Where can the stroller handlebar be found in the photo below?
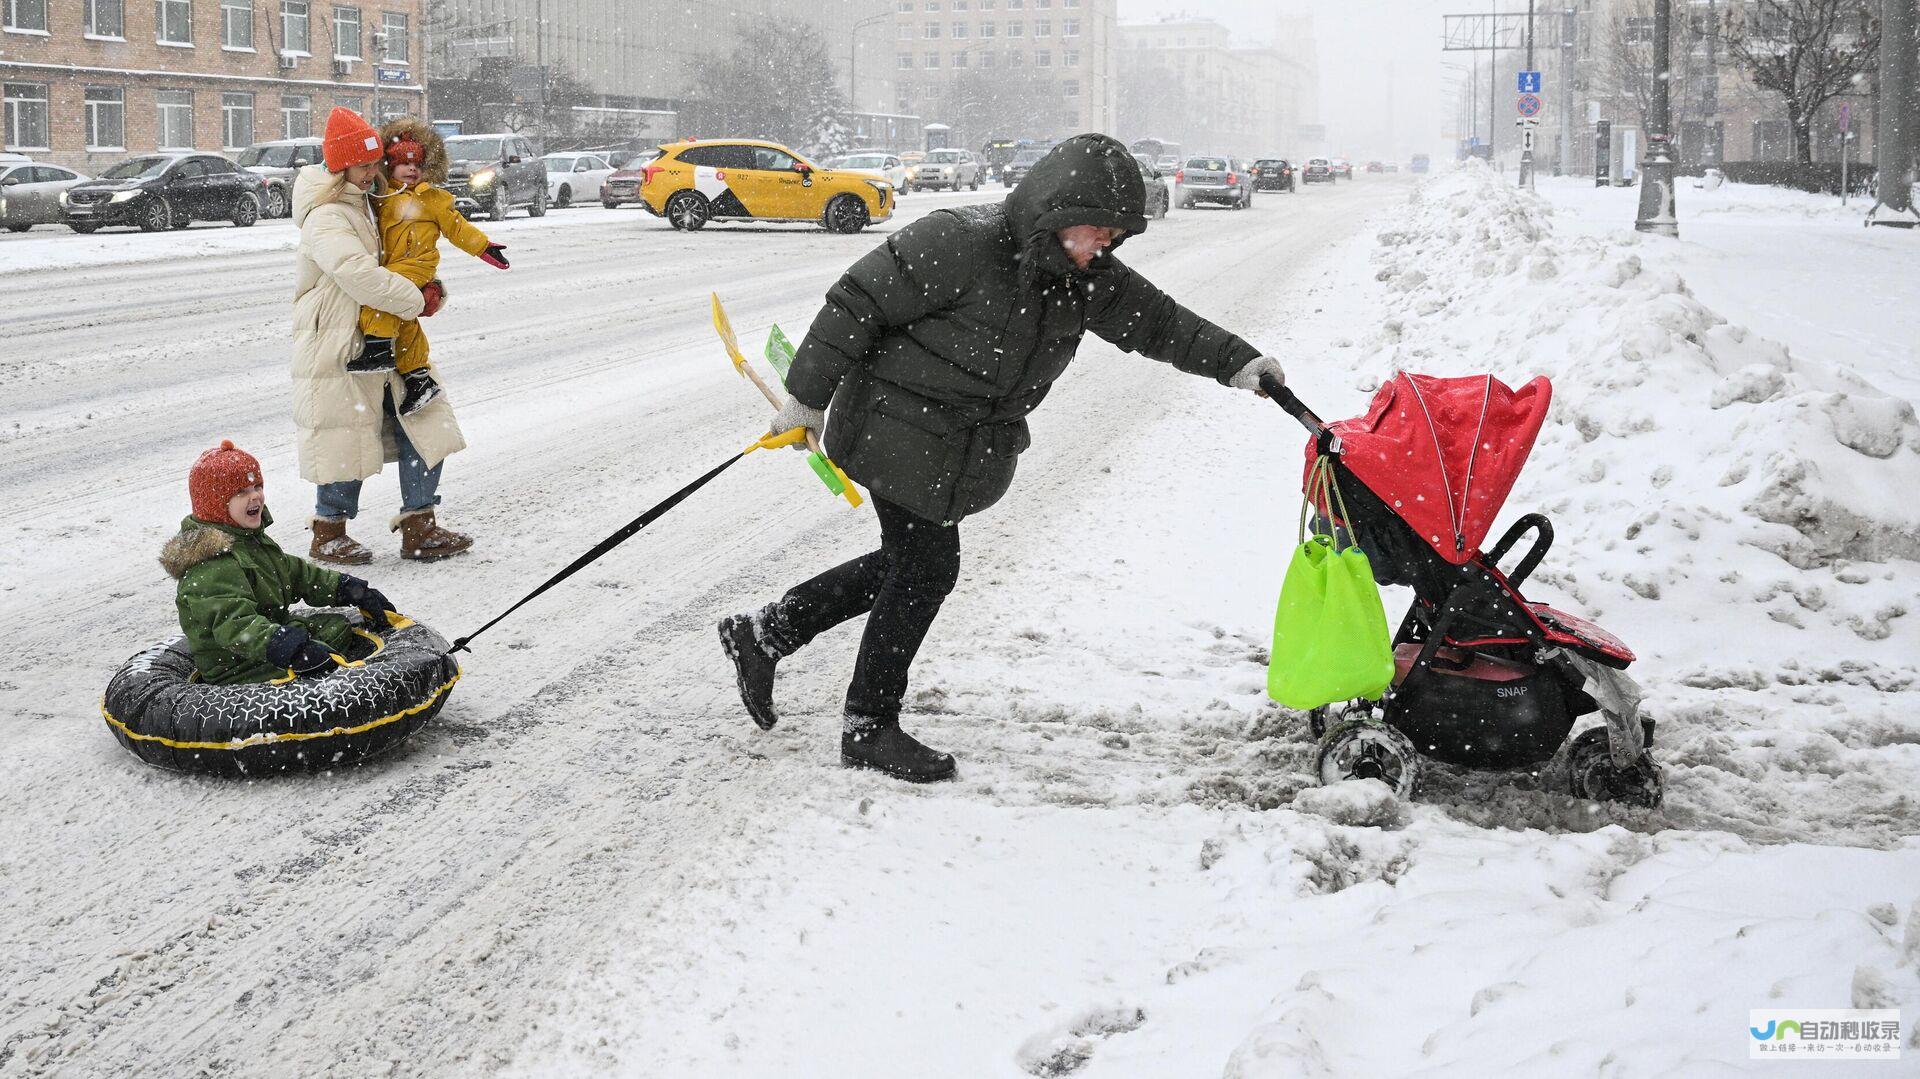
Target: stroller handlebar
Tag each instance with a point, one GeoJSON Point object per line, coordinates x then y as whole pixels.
{"type": "Point", "coordinates": [1285, 398]}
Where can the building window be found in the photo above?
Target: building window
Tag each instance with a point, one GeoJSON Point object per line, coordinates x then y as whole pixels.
{"type": "Point", "coordinates": [106, 118]}
{"type": "Point", "coordinates": [173, 21]}
{"type": "Point", "coordinates": [236, 24]}
{"type": "Point", "coordinates": [27, 15]}
{"type": "Point", "coordinates": [1015, 58]}
{"type": "Point", "coordinates": [906, 30]}
{"type": "Point", "coordinates": [351, 104]}
{"type": "Point", "coordinates": [931, 30]}
{"type": "Point", "coordinates": [26, 115]}
{"type": "Point", "coordinates": [106, 18]}
{"type": "Point", "coordinates": [986, 5]}
{"type": "Point", "coordinates": [1043, 58]}
{"type": "Point", "coordinates": [236, 120]}
{"type": "Point", "coordinates": [957, 5]}
{"type": "Point", "coordinates": [904, 7]}
{"type": "Point", "coordinates": [294, 37]}
{"type": "Point", "coordinates": [173, 129]}
{"type": "Point", "coordinates": [988, 29]}
{"type": "Point", "coordinates": [959, 59]}
{"type": "Point", "coordinates": [1015, 29]}
{"type": "Point", "coordinates": [296, 116]}
{"type": "Point", "coordinates": [395, 50]}
{"type": "Point", "coordinates": [904, 61]}
{"type": "Point", "coordinates": [1070, 3]}
{"type": "Point", "coordinates": [1042, 3]}
{"type": "Point", "coordinates": [389, 108]}
{"type": "Point", "coordinates": [1043, 28]}
{"type": "Point", "coordinates": [1014, 5]}
{"type": "Point", "coordinates": [1070, 87]}
{"type": "Point", "coordinates": [346, 33]}
{"type": "Point", "coordinates": [933, 59]}
{"type": "Point", "coordinates": [933, 5]}
{"type": "Point", "coordinates": [1070, 27]}
{"type": "Point", "coordinates": [986, 59]}
{"type": "Point", "coordinates": [1070, 58]}
{"type": "Point", "coordinates": [959, 29]}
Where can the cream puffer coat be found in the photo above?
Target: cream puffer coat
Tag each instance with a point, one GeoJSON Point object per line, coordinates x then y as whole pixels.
{"type": "Point", "coordinates": [339, 414]}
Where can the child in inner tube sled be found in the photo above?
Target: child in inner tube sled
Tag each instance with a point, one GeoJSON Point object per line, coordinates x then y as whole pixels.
{"type": "Point", "coordinates": [236, 584]}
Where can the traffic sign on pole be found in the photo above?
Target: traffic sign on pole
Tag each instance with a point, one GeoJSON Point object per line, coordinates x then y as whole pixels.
{"type": "Point", "coordinates": [1529, 104]}
{"type": "Point", "coordinates": [1529, 82]}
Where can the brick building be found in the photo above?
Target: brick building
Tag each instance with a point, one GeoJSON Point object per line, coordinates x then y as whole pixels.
{"type": "Point", "coordinates": [1184, 79]}
{"type": "Point", "coordinates": [85, 83]}
{"type": "Point", "coordinates": [1007, 68]}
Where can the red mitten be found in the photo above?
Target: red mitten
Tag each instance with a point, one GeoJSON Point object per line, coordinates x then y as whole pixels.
{"type": "Point", "coordinates": [495, 256]}
{"type": "Point", "coordinates": [435, 294]}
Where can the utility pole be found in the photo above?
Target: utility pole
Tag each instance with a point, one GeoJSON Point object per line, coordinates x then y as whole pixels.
{"type": "Point", "coordinates": [1526, 133]}
{"type": "Point", "coordinates": [1894, 117]}
{"type": "Point", "coordinates": [1493, 81]}
{"type": "Point", "coordinates": [1568, 36]}
{"type": "Point", "coordinates": [1656, 184]}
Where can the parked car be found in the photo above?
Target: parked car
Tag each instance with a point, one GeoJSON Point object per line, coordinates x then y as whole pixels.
{"type": "Point", "coordinates": [951, 169]}
{"type": "Point", "coordinates": [494, 174]}
{"type": "Point", "coordinates": [1342, 168]}
{"type": "Point", "coordinates": [1420, 163]}
{"type": "Point", "coordinates": [1273, 174]}
{"type": "Point", "coordinates": [1220, 180]}
{"type": "Point", "coordinates": [30, 193]}
{"type": "Point", "coordinates": [623, 186]}
{"type": "Point", "coordinates": [887, 166]}
{"type": "Point", "coordinates": [692, 183]}
{"type": "Point", "coordinates": [575, 176]}
{"type": "Point", "coordinates": [165, 191]}
{"type": "Point", "coordinates": [276, 162]}
{"type": "Point", "coordinates": [1159, 199]}
{"type": "Point", "coordinates": [1022, 163]}
{"type": "Point", "coordinates": [1319, 170]}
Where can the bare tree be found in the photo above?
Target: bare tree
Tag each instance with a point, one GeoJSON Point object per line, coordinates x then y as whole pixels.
{"type": "Point", "coordinates": [1000, 103]}
{"type": "Point", "coordinates": [1808, 52]}
{"type": "Point", "coordinates": [1152, 100]}
{"type": "Point", "coordinates": [1626, 71]}
{"type": "Point", "coordinates": [778, 83]}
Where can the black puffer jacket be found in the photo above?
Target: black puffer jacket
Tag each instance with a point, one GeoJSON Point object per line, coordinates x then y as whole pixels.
{"type": "Point", "coordinates": [935, 346]}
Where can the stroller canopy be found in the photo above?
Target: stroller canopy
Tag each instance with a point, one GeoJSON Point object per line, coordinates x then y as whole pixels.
{"type": "Point", "coordinates": [1443, 453]}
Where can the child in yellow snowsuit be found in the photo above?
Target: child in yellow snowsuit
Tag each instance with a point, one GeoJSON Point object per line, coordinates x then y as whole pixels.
{"type": "Point", "coordinates": [413, 216]}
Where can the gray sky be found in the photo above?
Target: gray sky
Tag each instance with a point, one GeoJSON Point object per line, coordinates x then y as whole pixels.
{"type": "Point", "coordinates": [1365, 46]}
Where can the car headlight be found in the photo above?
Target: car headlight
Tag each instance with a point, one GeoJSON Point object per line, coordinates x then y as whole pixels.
{"type": "Point", "coordinates": [3, 207]}
{"type": "Point", "coordinates": [123, 196]}
{"type": "Point", "coordinates": [483, 179]}
{"type": "Point", "coordinates": [881, 186]}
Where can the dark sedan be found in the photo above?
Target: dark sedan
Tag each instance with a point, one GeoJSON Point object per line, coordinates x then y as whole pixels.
{"type": "Point", "coordinates": [1273, 174]}
{"type": "Point", "coordinates": [154, 192]}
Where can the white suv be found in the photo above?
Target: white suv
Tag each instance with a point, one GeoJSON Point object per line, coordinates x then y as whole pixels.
{"type": "Point", "coordinates": [951, 169]}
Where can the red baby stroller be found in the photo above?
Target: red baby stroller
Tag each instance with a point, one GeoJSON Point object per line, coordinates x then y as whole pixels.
{"type": "Point", "coordinates": [1484, 678]}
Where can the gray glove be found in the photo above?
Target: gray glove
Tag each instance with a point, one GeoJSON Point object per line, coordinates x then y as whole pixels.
{"type": "Point", "coordinates": [1248, 377]}
{"type": "Point", "coordinates": [796, 413]}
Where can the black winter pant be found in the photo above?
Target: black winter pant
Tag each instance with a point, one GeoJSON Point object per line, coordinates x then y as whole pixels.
{"type": "Point", "coordinates": [902, 584]}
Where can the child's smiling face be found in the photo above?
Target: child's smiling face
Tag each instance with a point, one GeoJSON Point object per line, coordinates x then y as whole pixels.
{"type": "Point", "coordinates": [247, 506]}
{"type": "Point", "coordinates": [406, 174]}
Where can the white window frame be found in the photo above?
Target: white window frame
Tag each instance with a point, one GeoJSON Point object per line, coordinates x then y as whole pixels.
{"type": "Point", "coordinates": [161, 108]}
{"type": "Point", "coordinates": [1043, 28]}
{"type": "Point", "coordinates": [160, 23]}
{"type": "Point", "coordinates": [14, 24]}
{"type": "Point", "coordinates": [232, 104]}
{"type": "Point", "coordinates": [1070, 27]}
{"type": "Point", "coordinates": [960, 59]}
{"type": "Point", "coordinates": [397, 27]}
{"type": "Point", "coordinates": [287, 20]}
{"type": "Point", "coordinates": [90, 28]}
{"type": "Point", "coordinates": [16, 116]}
{"type": "Point", "coordinates": [340, 10]}
{"type": "Point", "coordinates": [288, 112]}
{"type": "Point", "coordinates": [903, 62]}
{"type": "Point", "coordinates": [95, 108]}
{"type": "Point", "coordinates": [231, 14]}
{"type": "Point", "coordinates": [932, 61]}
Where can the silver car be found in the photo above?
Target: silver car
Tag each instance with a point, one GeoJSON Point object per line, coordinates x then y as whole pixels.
{"type": "Point", "coordinates": [1221, 180]}
{"type": "Point", "coordinates": [951, 169]}
{"type": "Point", "coordinates": [30, 193]}
{"type": "Point", "coordinates": [276, 162]}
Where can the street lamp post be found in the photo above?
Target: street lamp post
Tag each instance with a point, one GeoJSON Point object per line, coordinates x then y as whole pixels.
{"type": "Point", "coordinates": [1656, 184]}
{"type": "Point", "coordinates": [853, 56]}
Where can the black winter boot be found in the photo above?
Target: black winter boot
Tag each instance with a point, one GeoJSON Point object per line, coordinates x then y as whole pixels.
{"type": "Point", "coordinates": [421, 388]}
{"type": "Point", "coordinates": [376, 354]}
{"type": "Point", "coordinates": [752, 667]}
{"type": "Point", "coordinates": [882, 746]}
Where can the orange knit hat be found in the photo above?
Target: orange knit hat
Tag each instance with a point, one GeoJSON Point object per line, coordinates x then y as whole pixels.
{"type": "Point", "coordinates": [350, 140]}
{"type": "Point", "coordinates": [217, 476]}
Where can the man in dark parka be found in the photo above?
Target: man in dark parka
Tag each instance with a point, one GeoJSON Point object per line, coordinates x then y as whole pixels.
{"type": "Point", "coordinates": [930, 353]}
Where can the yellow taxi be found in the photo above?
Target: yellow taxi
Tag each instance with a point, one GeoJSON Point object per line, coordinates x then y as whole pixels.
{"type": "Point", "coordinates": [702, 180]}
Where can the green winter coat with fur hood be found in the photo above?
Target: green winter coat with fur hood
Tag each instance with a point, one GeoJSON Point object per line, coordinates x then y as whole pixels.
{"type": "Point", "coordinates": [236, 586]}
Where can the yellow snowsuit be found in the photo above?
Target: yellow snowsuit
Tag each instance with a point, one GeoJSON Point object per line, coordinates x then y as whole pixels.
{"type": "Point", "coordinates": [412, 220]}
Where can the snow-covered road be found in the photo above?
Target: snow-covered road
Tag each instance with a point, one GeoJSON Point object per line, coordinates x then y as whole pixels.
{"type": "Point", "coordinates": [519, 879]}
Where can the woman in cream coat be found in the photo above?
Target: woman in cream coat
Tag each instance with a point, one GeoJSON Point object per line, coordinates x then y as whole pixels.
{"type": "Point", "coordinates": [347, 422]}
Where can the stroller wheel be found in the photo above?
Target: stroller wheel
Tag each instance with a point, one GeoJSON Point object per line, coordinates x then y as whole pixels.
{"type": "Point", "coordinates": [1317, 721]}
{"type": "Point", "coordinates": [1592, 774]}
{"type": "Point", "coordinates": [1363, 749]}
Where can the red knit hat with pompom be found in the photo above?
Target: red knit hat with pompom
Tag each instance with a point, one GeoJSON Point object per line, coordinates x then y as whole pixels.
{"type": "Point", "coordinates": [405, 151]}
{"type": "Point", "coordinates": [217, 476]}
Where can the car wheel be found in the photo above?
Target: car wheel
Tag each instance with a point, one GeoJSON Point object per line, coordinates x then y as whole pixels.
{"type": "Point", "coordinates": [610, 204]}
{"type": "Point", "coordinates": [498, 211]}
{"type": "Point", "coordinates": [1186, 204]}
{"type": "Point", "coordinates": [975, 185]}
{"type": "Point", "coordinates": [846, 214]}
{"type": "Point", "coordinates": [538, 207]}
{"type": "Point", "coordinates": [566, 198]}
{"type": "Point", "coordinates": [688, 211]}
{"type": "Point", "coordinates": [277, 202]}
{"type": "Point", "coordinates": [18, 228]}
{"type": "Point", "coordinates": [84, 228]}
{"type": "Point", "coordinates": [156, 215]}
{"type": "Point", "coordinates": [245, 212]}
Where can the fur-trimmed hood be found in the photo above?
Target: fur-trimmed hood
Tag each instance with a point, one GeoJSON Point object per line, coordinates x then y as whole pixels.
{"type": "Point", "coordinates": [197, 542]}
{"type": "Point", "coordinates": [434, 169]}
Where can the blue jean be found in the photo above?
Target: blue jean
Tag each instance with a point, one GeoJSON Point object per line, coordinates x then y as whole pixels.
{"type": "Point", "coordinates": [419, 485]}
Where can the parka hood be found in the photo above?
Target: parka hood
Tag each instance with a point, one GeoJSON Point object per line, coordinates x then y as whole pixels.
{"type": "Point", "coordinates": [434, 169]}
{"type": "Point", "coordinates": [314, 186]}
{"type": "Point", "coordinates": [1087, 180]}
{"type": "Point", "coordinates": [202, 541]}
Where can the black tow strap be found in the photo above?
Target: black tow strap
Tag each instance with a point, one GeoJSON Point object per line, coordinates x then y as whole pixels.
{"type": "Point", "coordinates": [626, 532]}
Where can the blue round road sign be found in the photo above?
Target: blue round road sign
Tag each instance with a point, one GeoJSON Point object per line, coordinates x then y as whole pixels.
{"type": "Point", "coordinates": [1529, 104]}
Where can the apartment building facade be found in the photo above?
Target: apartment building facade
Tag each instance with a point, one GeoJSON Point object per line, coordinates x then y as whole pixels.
{"type": "Point", "coordinates": [991, 69]}
{"type": "Point", "coordinates": [84, 83]}
{"type": "Point", "coordinates": [1189, 83]}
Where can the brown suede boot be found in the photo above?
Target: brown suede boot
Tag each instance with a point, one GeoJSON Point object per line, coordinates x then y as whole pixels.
{"type": "Point", "coordinates": [331, 544]}
{"type": "Point", "coordinates": [423, 540]}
